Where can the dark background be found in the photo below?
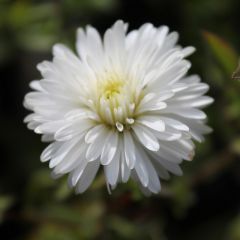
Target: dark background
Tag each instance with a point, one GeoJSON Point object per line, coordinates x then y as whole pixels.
{"type": "Point", "coordinates": [203, 204]}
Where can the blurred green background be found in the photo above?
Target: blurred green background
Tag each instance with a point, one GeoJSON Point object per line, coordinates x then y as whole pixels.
{"type": "Point", "coordinates": [203, 204]}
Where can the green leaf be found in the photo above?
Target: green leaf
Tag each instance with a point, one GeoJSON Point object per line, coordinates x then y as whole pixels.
{"type": "Point", "coordinates": [223, 52]}
{"type": "Point", "coordinates": [234, 229]}
{"type": "Point", "coordinates": [235, 146]}
{"type": "Point", "coordinates": [54, 232]}
{"type": "Point", "coordinates": [5, 203]}
{"type": "Point", "coordinates": [125, 228]}
{"type": "Point", "coordinates": [183, 197]}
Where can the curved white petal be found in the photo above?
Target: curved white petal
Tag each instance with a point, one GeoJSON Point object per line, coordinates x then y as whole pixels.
{"type": "Point", "coordinates": [152, 122]}
{"type": "Point", "coordinates": [129, 150]}
{"type": "Point", "coordinates": [109, 148]}
{"type": "Point", "coordinates": [112, 169]}
{"type": "Point", "coordinates": [146, 138]}
{"type": "Point", "coordinates": [87, 177]}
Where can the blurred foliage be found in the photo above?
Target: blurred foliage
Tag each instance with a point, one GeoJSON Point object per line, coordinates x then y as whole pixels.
{"type": "Point", "coordinates": [234, 233]}
{"type": "Point", "coordinates": [223, 52]}
{"type": "Point", "coordinates": [5, 203]}
{"type": "Point", "coordinates": [203, 204]}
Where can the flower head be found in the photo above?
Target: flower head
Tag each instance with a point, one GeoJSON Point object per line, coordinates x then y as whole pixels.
{"type": "Point", "coordinates": [123, 102]}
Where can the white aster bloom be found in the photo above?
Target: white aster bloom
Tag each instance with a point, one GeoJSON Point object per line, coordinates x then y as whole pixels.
{"type": "Point", "coordinates": [123, 103]}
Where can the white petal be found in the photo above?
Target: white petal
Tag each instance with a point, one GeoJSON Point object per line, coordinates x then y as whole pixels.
{"type": "Point", "coordinates": [154, 183]}
{"type": "Point", "coordinates": [174, 152]}
{"type": "Point", "coordinates": [141, 170]}
{"type": "Point", "coordinates": [94, 132]}
{"type": "Point", "coordinates": [175, 124]}
{"type": "Point", "coordinates": [188, 51]}
{"type": "Point", "coordinates": [154, 106]}
{"type": "Point", "coordinates": [76, 174]}
{"type": "Point", "coordinates": [172, 167]}
{"type": "Point", "coordinates": [72, 129]}
{"type": "Point", "coordinates": [73, 158]}
{"type": "Point", "coordinates": [171, 39]}
{"type": "Point", "coordinates": [110, 148]}
{"type": "Point", "coordinates": [125, 170]}
{"type": "Point", "coordinates": [89, 44]}
{"type": "Point", "coordinates": [49, 151]}
{"type": "Point", "coordinates": [35, 85]}
{"type": "Point", "coordinates": [162, 172]}
{"type": "Point", "coordinates": [48, 127]}
{"type": "Point", "coordinates": [129, 149]}
{"type": "Point", "coordinates": [199, 102]}
{"type": "Point", "coordinates": [87, 177]}
{"type": "Point", "coordinates": [146, 138]}
{"type": "Point", "coordinates": [62, 151]}
{"type": "Point", "coordinates": [170, 75]}
{"type": "Point", "coordinates": [95, 148]}
{"type": "Point", "coordinates": [112, 169]}
{"type": "Point", "coordinates": [168, 135]}
{"type": "Point", "coordinates": [153, 122]}
{"type": "Point", "coordinates": [47, 138]}
{"type": "Point", "coordinates": [186, 112]}
{"type": "Point", "coordinates": [163, 153]}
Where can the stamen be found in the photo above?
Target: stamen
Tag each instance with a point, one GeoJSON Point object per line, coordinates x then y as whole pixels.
{"type": "Point", "coordinates": [115, 101]}
{"type": "Point", "coordinates": [119, 126]}
{"type": "Point", "coordinates": [129, 120]}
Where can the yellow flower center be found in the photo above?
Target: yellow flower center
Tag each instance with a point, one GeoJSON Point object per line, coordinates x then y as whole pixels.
{"type": "Point", "coordinates": [111, 87]}
{"type": "Point", "coordinates": [114, 100]}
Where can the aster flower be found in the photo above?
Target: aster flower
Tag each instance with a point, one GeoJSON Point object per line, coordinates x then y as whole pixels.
{"type": "Point", "coordinates": [123, 103]}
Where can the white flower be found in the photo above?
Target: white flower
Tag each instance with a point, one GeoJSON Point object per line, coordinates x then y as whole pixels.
{"type": "Point", "coordinates": [124, 103]}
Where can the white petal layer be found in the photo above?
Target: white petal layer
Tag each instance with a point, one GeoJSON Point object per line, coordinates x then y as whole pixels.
{"type": "Point", "coordinates": [124, 102]}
